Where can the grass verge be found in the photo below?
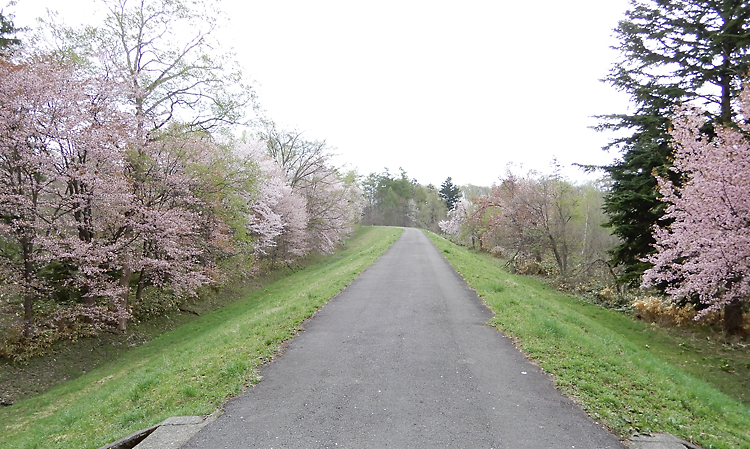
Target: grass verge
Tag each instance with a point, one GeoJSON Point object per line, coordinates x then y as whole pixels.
{"type": "Point", "coordinates": [621, 371]}
{"type": "Point", "coordinates": [192, 369]}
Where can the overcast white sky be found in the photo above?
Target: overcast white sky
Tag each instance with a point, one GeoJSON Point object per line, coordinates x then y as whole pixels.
{"type": "Point", "coordinates": [440, 88]}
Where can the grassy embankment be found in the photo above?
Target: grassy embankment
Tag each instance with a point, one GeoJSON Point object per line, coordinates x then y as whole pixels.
{"type": "Point", "coordinates": [629, 375]}
{"type": "Point", "coordinates": [192, 369]}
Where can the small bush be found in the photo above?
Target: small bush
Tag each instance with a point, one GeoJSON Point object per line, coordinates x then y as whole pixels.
{"type": "Point", "coordinates": [529, 266]}
{"type": "Point", "coordinates": [497, 252]}
{"type": "Point", "coordinates": [662, 311]}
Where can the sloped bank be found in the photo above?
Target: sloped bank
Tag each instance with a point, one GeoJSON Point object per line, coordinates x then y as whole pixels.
{"type": "Point", "coordinates": [598, 358]}
{"type": "Point", "coordinates": [189, 371]}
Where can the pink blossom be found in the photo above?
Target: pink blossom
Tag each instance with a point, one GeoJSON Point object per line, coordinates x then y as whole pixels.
{"type": "Point", "coordinates": [705, 251]}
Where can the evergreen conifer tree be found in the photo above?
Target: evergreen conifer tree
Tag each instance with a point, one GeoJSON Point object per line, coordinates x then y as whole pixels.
{"type": "Point", "coordinates": [449, 193]}
{"type": "Point", "coordinates": [7, 31]}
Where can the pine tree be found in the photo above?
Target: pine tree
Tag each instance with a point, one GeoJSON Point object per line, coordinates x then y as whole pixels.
{"type": "Point", "coordinates": [449, 193]}
{"type": "Point", "coordinates": [673, 52]}
{"type": "Point", "coordinates": [7, 29]}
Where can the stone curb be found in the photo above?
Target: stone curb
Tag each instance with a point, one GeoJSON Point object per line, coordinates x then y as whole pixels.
{"type": "Point", "coordinates": [172, 432]}
{"type": "Point", "coordinates": [130, 441]}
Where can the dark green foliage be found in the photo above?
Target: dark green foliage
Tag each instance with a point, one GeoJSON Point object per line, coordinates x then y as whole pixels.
{"type": "Point", "coordinates": [673, 52]}
{"type": "Point", "coordinates": [633, 206]}
{"type": "Point", "coordinates": [7, 30]}
{"type": "Point", "coordinates": [449, 193]}
{"type": "Point", "coordinates": [400, 201]}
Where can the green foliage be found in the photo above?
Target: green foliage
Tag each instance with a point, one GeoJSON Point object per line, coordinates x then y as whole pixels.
{"type": "Point", "coordinates": [629, 375]}
{"type": "Point", "coordinates": [398, 201]}
{"type": "Point", "coordinates": [7, 29]}
{"type": "Point", "coordinates": [449, 193]}
{"type": "Point", "coordinates": [7, 32]}
{"type": "Point", "coordinates": [633, 205]}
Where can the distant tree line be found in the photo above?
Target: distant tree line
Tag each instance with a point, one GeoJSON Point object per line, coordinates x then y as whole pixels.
{"type": "Point", "coordinates": [396, 200]}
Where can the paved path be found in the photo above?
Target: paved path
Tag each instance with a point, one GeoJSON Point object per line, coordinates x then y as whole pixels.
{"type": "Point", "coordinates": [402, 358]}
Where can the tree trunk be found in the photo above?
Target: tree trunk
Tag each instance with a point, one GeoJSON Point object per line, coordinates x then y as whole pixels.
{"type": "Point", "coordinates": [559, 259]}
{"type": "Point", "coordinates": [141, 285]}
{"type": "Point", "coordinates": [28, 313]}
{"type": "Point", "coordinates": [725, 82]}
{"type": "Point", "coordinates": [733, 320]}
{"type": "Point", "coordinates": [122, 321]}
{"type": "Point", "coordinates": [28, 294]}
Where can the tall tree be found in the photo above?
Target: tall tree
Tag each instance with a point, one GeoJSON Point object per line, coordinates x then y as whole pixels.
{"type": "Point", "coordinates": [165, 48]}
{"type": "Point", "coordinates": [7, 32]}
{"type": "Point", "coordinates": [705, 251]}
{"type": "Point", "coordinates": [673, 52]}
{"type": "Point", "coordinates": [331, 201]}
{"type": "Point", "coordinates": [449, 193]}
{"type": "Point", "coordinates": [61, 140]}
{"type": "Point", "coordinates": [278, 216]}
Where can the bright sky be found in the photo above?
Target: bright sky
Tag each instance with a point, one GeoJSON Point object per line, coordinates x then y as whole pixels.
{"type": "Point", "coordinates": [439, 88]}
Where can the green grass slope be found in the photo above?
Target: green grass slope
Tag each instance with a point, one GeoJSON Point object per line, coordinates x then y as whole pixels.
{"type": "Point", "coordinates": [616, 368]}
{"type": "Point", "coordinates": [191, 370]}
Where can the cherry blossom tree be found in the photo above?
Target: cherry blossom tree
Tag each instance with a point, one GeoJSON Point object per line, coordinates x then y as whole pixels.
{"type": "Point", "coordinates": [61, 137]}
{"type": "Point", "coordinates": [705, 251]}
{"type": "Point", "coordinates": [180, 221]}
{"type": "Point", "coordinates": [304, 206]}
{"type": "Point", "coordinates": [167, 50]}
{"type": "Point", "coordinates": [457, 216]}
{"type": "Point", "coordinates": [90, 211]}
{"type": "Point", "coordinates": [277, 217]}
{"type": "Point", "coordinates": [526, 215]}
{"type": "Point", "coordinates": [204, 212]}
{"type": "Point", "coordinates": [333, 205]}
{"type": "Point", "coordinates": [24, 180]}
{"type": "Point", "coordinates": [484, 220]}
{"type": "Point", "coordinates": [332, 202]}
{"type": "Point", "coordinates": [294, 241]}
{"type": "Point", "coordinates": [531, 218]}
{"type": "Point", "coordinates": [540, 210]}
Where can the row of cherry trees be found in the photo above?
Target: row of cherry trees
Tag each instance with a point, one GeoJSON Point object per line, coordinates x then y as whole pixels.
{"type": "Point", "coordinates": [117, 178]}
{"type": "Point", "coordinates": [93, 213]}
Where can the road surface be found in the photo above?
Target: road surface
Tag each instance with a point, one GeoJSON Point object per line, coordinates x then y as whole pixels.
{"type": "Point", "coordinates": [402, 358]}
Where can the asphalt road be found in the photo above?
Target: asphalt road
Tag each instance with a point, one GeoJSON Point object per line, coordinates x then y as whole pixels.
{"type": "Point", "coordinates": [402, 358]}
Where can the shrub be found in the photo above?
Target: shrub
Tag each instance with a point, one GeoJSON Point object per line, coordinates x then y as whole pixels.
{"type": "Point", "coordinates": [663, 311]}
